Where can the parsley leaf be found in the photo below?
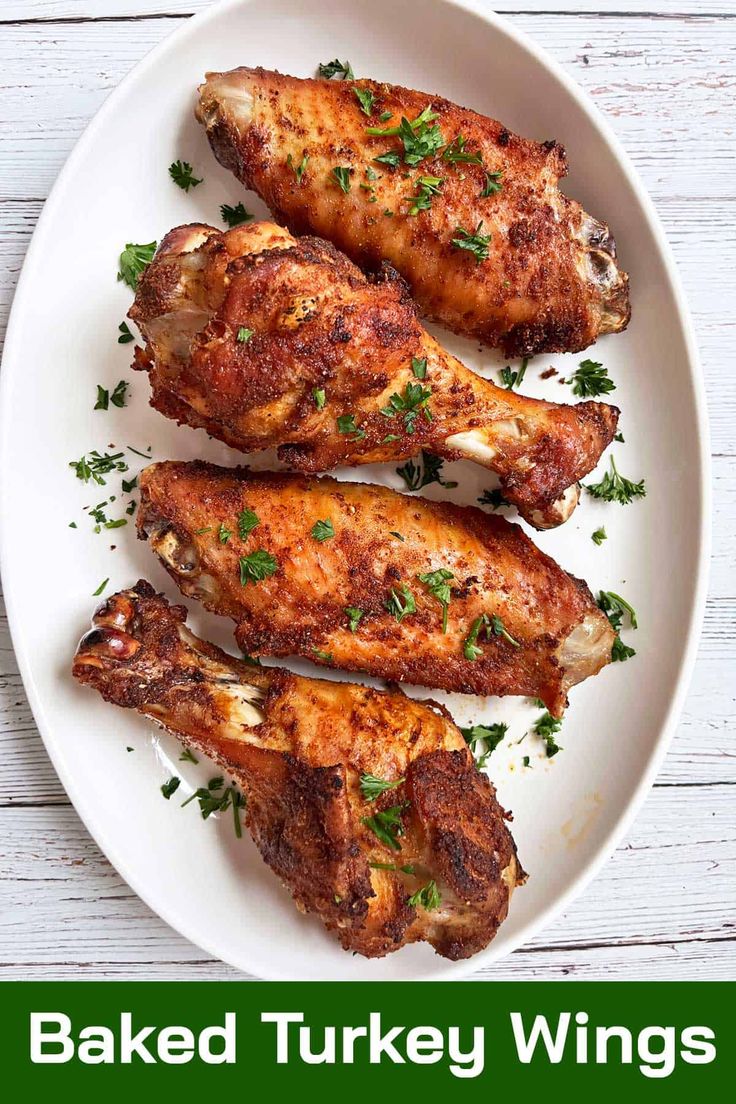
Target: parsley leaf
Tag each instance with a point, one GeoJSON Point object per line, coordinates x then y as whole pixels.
{"type": "Point", "coordinates": [372, 787]}
{"type": "Point", "coordinates": [419, 367]}
{"type": "Point", "coordinates": [428, 897]}
{"type": "Point", "coordinates": [119, 394]}
{"type": "Point", "coordinates": [483, 740]}
{"type": "Point", "coordinates": [247, 521]}
{"type": "Point", "coordinates": [413, 400]}
{"type": "Point", "coordinates": [101, 587]}
{"type": "Point", "coordinates": [125, 335]}
{"type": "Point", "coordinates": [187, 756]}
{"type": "Point", "coordinates": [257, 566]}
{"type": "Point", "coordinates": [470, 649]}
{"type": "Point", "coordinates": [475, 242]}
{"type": "Point", "coordinates": [341, 176]}
{"type": "Point", "coordinates": [511, 379]}
{"type": "Point", "coordinates": [244, 335]}
{"type": "Point", "coordinates": [599, 536]}
{"type": "Point", "coordinates": [182, 174]}
{"type": "Point", "coordinates": [492, 184]}
{"type": "Point", "coordinates": [133, 260]}
{"type": "Point", "coordinates": [429, 187]}
{"type": "Point", "coordinates": [438, 586]}
{"type": "Point", "coordinates": [546, 728]}
{"type": "Point", "coordinates": [354, 616]}
{"type": "Point", "coordinates": [417, 476]}
{"type": "Point", "coordinates": [346, 424]}
{"type": "Point", "coordinates": [300, 169]}
{"type": "Point", "coordinates": [615, 608]}
{"type": "Point", "coordinates": [323, 530]}
{"type": "Point", "coordinates": [320, 398]}
{"type": "Point", "coordinates": [456, 152]}
{"type": "Point", "coordinates": [341, 69]}
{"type": "Point", "coordinates": [493, 498]}
{"type": "Point", "coordinates": [224, 534]}
{"type": "Point", "coordinates": [616, 488]}
{"type": "Point", "coordinates": [419, 139]}
{"type": "Point", "coordinates": [496, 626]}
{"type": "Point", "coordinates": [396, 607]}
{"type": "Point", "coordinates": [234, 216]}
{"type": "Point", "coordinates": [387, 825]}
{"type": "Point", "coordinates": [590, 379]}
{"type": "Point", "coordinates": [365, 98]}
{"type": "Point", "coordinates": [103, 398]}
{"type": "Point", "coordinates": [95, 466]}
{"type": "Point", "coordinates": [326, 656]}
{"type": "Point", "coordinates": [170, 787]}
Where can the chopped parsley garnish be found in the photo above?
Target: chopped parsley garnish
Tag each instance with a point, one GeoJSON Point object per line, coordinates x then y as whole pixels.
{"type": "Point", "coordinates": [419, 367]}
{"type": "Point", "coordinates": [493, 498]}
{"type": "Point", "coordinates": [483, 740]}
{"type": "Point", "coordinates": [616, 488]}
{"type": "Point", "coordinates": [247, 521]}
{"type": "Point", "coordinates": [125, 335]}
{"type": "Point", "coordinates": [213, 798]}
{"type": "Point", "coordinates": [387, 825]}
{"type": "Point", "coordinates": [456, 152]}
{"type": "Point", "coordinates": [224, 534]}
{"type": "Point", "coordinates": [475, 242]}
{"type": "Point", "coordinates": [354, 616]}
{"type": "Point", "coordinates": [103, 398]}
{"type": "Point", "coordinates": [599, 536]}
{"type": "Point", "coordinates": [323, 530]}
{"type": "Point", "coordinates": [429, 471]}
{"type": "Point", "coordinates": [130, 484]}
{"type": "Point", "coordinates": [438, 586]}
{"type": "Point", "coordinates": [326, 657]}
{"type": "Point", "coordinates": [428, 188]}
{"type": "Point", "coordinates": [187, 756]}
{"type": "Point", "coordinates": [393, 533]}
{"type": "Point", "coordinates": [590, 379]}
{"type": "Point", "coordinates": [428, 897]}
{"type": "Point", "coordinates": [97, 513]}
{"type": "Point", "coordinates": [234, 216]}
{"type": "Point", "coordinates": [257, 566]}
{"type": "Point", "coordinates": [300, 169]}
{"type": "Point", "coordinates": [341, 176]}
{"type": "Point", "coordinates": [346, 424]}
{"type": "Point", "coordinates": [419, 139]}
{"type": "Point", "coordinates": [392, 158]}
{"type": "Point", "coordinates": [94, 466]}
{"type": "Point", "coordinates": [396, 607]}
{"type": "Point", "coordinates": [512, 378]}
{"type": "Point", "coordinates": [170, 787]}
{"type": "Point", "coordinates": [133, 260]}
{"type": "Point", "coordinates": [408, 869]}
{"type": "Point", "coordinates": [244, 335]}
{"type": "Point", "coordinates": [343, 70]}
{"type": "Point", "coordinates": [546, 727]}
{"type": "Point", "coordinates": [615, 608]}
{"type": "Point", "coordinates": [372, 787]}
{"type": "Point", "coordinates": [491, 184]}
{"type": "Point", "coordinates": [492, 626]}
{"type": "Point", "coordinates": [320, 398]}
{"type": "Point", "coordinates": [620, 438]}
{"type": "Point", "coordinates": [101, 587]}
{"type": "Point", "coordinates": [409, 404]}
{"type": "Point", "coordinates": [525, 760]}
{"type": "Point", "coordinates": [365, 98]}
{"type": "Point", "coordinates": [182, 173]}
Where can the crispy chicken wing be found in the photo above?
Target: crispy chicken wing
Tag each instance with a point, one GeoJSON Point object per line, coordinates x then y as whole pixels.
{"type": "Point", "coordinates": [445, 866]}
{"type": "Point", "coordinates": [264, 340]}
{"type": "Point", "coordinates": [360, 577]}
{"type": "Point", "coordinates": [469, 213]}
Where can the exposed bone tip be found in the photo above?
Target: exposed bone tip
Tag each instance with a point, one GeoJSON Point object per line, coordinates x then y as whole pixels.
{"type": "Point", "coordinates": [557, 512]}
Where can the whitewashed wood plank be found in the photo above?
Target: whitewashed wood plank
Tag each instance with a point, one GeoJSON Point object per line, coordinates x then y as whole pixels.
{"type": "Point", "coordinates": [666, 86]}
{"type": "Point", "coordinates": [115, 9]}
{"type": "Point", "coordinates": [659, 891]}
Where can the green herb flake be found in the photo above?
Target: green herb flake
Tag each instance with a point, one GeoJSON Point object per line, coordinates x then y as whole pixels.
{"type": "Point", "coordinates": [234, 216]}
{"type": "Point", "coordinates": [616, 608]}
{"type": "Point", "coordinates": [493, 498]}
{"type": "Point", "coordinates": [614, 487]}
{"type": "Point", "coordinates": [398, 608]}
{"type": "Point", "coordinates": [428, 897]}
{"type": "Point", "coordinates": [343, 70]}
{"type": "Point", "coordinates": [456, 152]}
{"type": "Point", "coordinates": [346, 424]}
{"type": "Point", "coordinates": [170, 787]}
{"type": "Point", "coordinates": [413, 402]}
{"type": "Point", "coordinates": [421, 475]}
{"type": "Point", "coordinates": [491, 184]}
{"type": "Point", "coordinates": [590, 379]}
{"type": "Point", "coordinates": [182, 174]}
{"type": "Point", "coordinates": [599, 536]}
{"type": "Point", "coordinates": [247, 521]}
{"type": "Point", "coordinates": [187, 756]}
{"type": "Point", "coordinates": [257, 566]}
{"type": "Point", "coordinates": [320, 398]}
{"type": "Point", "coordinates": [427, 188]}
{"type": "Point", "coordinates": [372, 787]}
{"type": "Point", "coordinates": [93, 466]}
{"type": "Point", "coordinates": [366, 99]}
{"type": "Point", "coordinates": [419, 367]}
{"type": "Point", "coordinates": [125, 335]}
{"type": "Point", "coordinates": [101, 587]}
{"type": "Point", "coordinates": [437, 584]}
{"type": "Point", "coordinates": [341, 176]}
{"type": "Point", "coordinates": [387, 825]}
{"type": "Point", "coordinates": [244, 335]}
{"type": "Point", "coordinates": [133, 260]}
{"type": "Point", "coordinates": [300, 169]}
{"type": "Point", "coordinates": [224, 534]}
{"type": "Point", "coordinates": [473, 242]}
{"type": "Point", "coordinates": [546, 727]}
{"type": "Point", "coordinates": [103, 398]}
{"type": "Point", "coordinates": [511, 378]}
{"type": "Point", "coordinates": [326, 657]}
{"type": "Point", "coordinates": [354, 616]}
{"type": "Point", "coordinates": [323, 530]}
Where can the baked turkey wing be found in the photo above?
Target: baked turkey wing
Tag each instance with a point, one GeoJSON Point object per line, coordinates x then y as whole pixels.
{"type": "Point", "coordinates": [357, 576]}
{"type": "Point", "coordinates": [267, 341]}
{"type": "Point", "coordinates": [299, 748]}
{"type": "Point", "coordinates": [470, 214]}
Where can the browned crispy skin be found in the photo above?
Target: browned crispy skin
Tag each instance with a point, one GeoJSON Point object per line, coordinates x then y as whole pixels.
{"type": "Point", "coordinates": [316, 323]}
{"type": "Point", "coordinates": [297, 747]}
{"type": "Point", "coordinates": [560, 635]}
{"type": "Point", "coordinates": [550, 282]}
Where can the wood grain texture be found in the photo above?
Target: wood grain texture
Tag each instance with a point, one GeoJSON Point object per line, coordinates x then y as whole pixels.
{"type": "Point", "coordinates": [664, 906]}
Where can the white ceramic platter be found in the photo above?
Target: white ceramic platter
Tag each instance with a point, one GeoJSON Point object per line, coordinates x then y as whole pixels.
{"type": "Point", "coordinates": [570, 811]}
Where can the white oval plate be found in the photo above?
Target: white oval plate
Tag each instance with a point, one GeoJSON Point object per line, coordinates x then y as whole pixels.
{"type": "Point", "coordinates": [569, 812]}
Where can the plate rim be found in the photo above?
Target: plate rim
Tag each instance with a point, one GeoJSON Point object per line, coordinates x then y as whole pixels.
{"type": "Point", "coordinates": [683, 677]}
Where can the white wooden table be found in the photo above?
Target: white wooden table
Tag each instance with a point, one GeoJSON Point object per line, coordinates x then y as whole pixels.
{"type": "Point", "coordinates": [664, 73]}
